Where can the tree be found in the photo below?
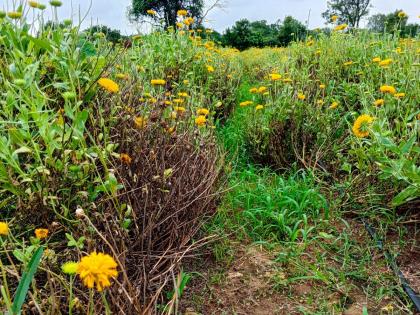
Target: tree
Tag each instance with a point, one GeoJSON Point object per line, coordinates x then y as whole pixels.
{"type": "Point", "coordinates": [165, 9]}
{"type": "Point", "coordinates": [291, 30]}
{"type": "Point", "coordinates": [393, 22]}
{"type": "Point", "coordinates": [348, 11]}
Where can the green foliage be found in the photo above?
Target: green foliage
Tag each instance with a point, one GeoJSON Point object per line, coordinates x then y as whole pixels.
{"type": "Point", "coordinates": [166, 9]}
{"type": "Point", "coordinates": [111, 35]}
{"type": "Point", "coordinates": [291, 30]}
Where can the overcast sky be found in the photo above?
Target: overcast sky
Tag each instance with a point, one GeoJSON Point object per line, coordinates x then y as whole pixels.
{"type": "Point", "coordinates": [113, 13]}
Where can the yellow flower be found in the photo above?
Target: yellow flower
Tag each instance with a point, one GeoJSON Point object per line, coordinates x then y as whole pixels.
{"type": "Point", "coordinates": [203, 112]}
{"type": "Point", "coordinates": [179, 25]}
{"type": "Point", "coordinates": [14, 15]}
{"type": "Point", "coordinates": [179, 100]}
{"type": "Point", "coordinates": [210, 68]}
{"type": "Point", "coordinates": [33, 4]}
{"type": "Point", "coordinates": [259, 107]}
{"type": "Point", "coordinates": [183, 94]}
{"type": "Point", "coordinates": [334, 18]}
{"type": "Point", "coordinates": [322, 86]}
{"type": "Point", "coordinates": [182, 12]}
{"type": "Point", "coordinates": [140, 122]}
{"type": "Point", "coordinates": [97, 268]}
{"type": "Point", "coordinates": [348, 63]}
{"type": "Point", "coordinates": [287, 80]}
{"type": "Point", "coordinates": [376, 59]}
{"type": "Point", "coordinates": [41, 233]}
{"type": "Point", "coordinates": [253, 90]}
{"type": "Point", "coordinates": [200, 120]}
{"type": "Point", "coordinates": [246, 103]}
{"type": "Point", "coordinates": [388, 89]}
{"type": "Point", "coordinates": [379, 102]}
{"type": "Point", "coordinates": [158, 82]}
{"type": "Point", "coordinates": [399, 50]}
{"type": "Point", "coordinates": [179, 109]}
{"type": "Point", "coordinates": [4, 228]}
{"type": "Point", "coordinates": [109, 85]}
{"type": "Point", "coordinates": [70, 268]}
{"type": "Point", "coordinates": [125, 158]}
{"type": "Point", "coordinates": [334, 105]}
{"type": "Point", "coordinates": [151, 12]}
{"type": "Point", "coordinates": [275, 76]}
{"type": "Point", "coordinates": [188, 21]}
{"type": "Point", "coordinates": [385, 63]}
{"type": "Point", "coordinates": [361, 124]}
{"type": "Point", "coordinates": [301, 96]}
{"type": "Point", "coordinates": [340, 27]}
{"type": "Point", "coordinates": [399, 95]}
{"type": "Point", "coordinates": [262, 89]}
{"type": "Point", "coordinates": [402, 14]}
{"type": "Point", "coordinates": [320, 102]}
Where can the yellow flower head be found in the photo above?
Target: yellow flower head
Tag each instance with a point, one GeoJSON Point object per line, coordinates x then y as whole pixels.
{"type": "Point", "coordinates": [259, 107]}
{"type": "Point", "coordinates": [188, 21]}
{"type": "Point", "coordinates": [253, 90]}
{"type": "Point", "coordinates": [388, 89]}
{"type": "Point", "coordinates": [320, 102]}
{"type": "Point", "coordinates": [275, 76]}
{"type": "Point", "coordinates": [301, 96]}
{"type": "Point", "coordinates": [41, 233]}
{"type": "Point", "coordinates": [97, 268]}
{"type": "Point", "coordinates": [246, 103]}
{"type": "Point", "coordinates": [402, 14]}
{"type": "Point", "coordinates": [322, 86]}
{"type": "Point", "coordinates": [4, 228]}
{"type": "Point", "coordinates": [262, 89]}
{"type": "Point", "coordinates": [334, 105]}
{"type": "Point", "coordinates": [151, 12]}
{"type": "Point", "coordinates": [203, 112]}
{"type": "Point", "coordinates": [201, 121]}
{"type": "Point", "coordinates": [385, 63]}
{"type": "Point", "coordinates": [182, 13]}
{"type": "Point", "coordinates": [14, 15]}
{"type": "Point", "coordinates": [158, 82]}
{"type": "Point", "coordinates": [109, 85]}
{"type": "Point", "coordinates": [210, 68]}
{"type": "Point", "coordinates": [361, 124]}
{"type": "Point", "coordinates": [399, 95]}
{"type": "Point", "coordinates": [70, 268]}
{"type": "Point", "coordinates": [179, 109]}
{"type": "Point", "coordinates": [334, 18]}
{"type": "Point", "coordinates": [379, 102]}
{"type": "Point", "coordinates": [348, 63]}
{"type": "Point", "coordinates": [376, 59]}
{"type": "Point", "coordinates": [340, 27]}
{"type": "Point", "coordinates": [287, 80]}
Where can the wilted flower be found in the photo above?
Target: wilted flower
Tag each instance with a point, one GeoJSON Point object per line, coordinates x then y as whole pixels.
{"type": "Point", "coordinates": [125, 158]}
{"type": "Point", "coordinates": [140, 122]}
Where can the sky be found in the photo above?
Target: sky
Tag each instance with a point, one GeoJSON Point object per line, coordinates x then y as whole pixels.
{"type": "Point", "coordinates": [113, 13]}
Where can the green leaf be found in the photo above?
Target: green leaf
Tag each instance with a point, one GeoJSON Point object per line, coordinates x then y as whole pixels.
{"type": "Point", "coordinates": [26, 280]}
{"type": "Point", "coordinates": [41, 44]}
{"type": "Point", "coordinates": [404, 196]}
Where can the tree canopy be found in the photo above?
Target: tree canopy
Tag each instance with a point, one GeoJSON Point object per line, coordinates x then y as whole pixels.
{"type": "Point", "coordinates": [165, 10]}
{"type": "Point", "coordinates": [347, 11]}
{"type": "Point", "coordinates": [393, 22]}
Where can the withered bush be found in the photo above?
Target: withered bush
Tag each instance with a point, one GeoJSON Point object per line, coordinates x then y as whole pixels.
{"type": "Point", "coordinates": [171, 182]}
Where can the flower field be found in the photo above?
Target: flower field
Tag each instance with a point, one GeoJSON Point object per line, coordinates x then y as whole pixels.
{"type": "Point", "coordinates": [126, 169]}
